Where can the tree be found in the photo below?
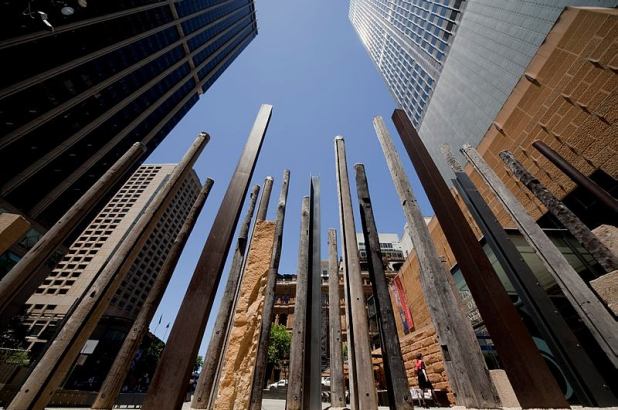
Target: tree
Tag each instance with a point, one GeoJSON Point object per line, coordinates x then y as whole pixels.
{"type": "Point", "coordinates": [199, 362]}
{"type": "Point", "coordinates": [278, 344]}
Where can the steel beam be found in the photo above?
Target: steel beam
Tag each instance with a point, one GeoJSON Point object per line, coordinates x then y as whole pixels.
{"type": "Point", "coordinates": [169, 383]}
{"type": "Point", "coordinates": [269, 300]}
{"type": "Point", "coordinates": [21, 281]}
{"type": "Point", "coordinates": [462, 355]}
{"type": "Point", "coordinates": [589, 386]}
{"type": "Point", "coordinates": [212, 359]}
{"type": "Point", "coordinates": [396, 379]}
{"type": "Point", "coordinates": [590, 309]}
{"type": "Point", "coordinates": [296, 380]}
{"type": "Point", "coordinates": [580, 179]}
{"type": "Point", "coordinates": [358, 334]}
{"type": "Point", "coordinates": [118, 372]}
{"type": "Point", "coordinates": [337, 385]}
{"type": "Point", "coordinates": [568, 219]}
{"type": "Point", "coordinates": [55, 364]}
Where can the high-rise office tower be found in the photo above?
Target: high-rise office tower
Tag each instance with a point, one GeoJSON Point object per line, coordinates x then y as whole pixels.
{"type": "Point", "coordinates": [486, 46]}
{"type": "Point", "coordinates": [110, 73]}
{"type": "Point", "coordinates": [408, 41]}
{"type": "Point", "coordinates": [94, 248]}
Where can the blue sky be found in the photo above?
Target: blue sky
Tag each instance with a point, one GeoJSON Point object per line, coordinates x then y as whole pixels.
{"type": "Point", "coordinates": [308, 62]}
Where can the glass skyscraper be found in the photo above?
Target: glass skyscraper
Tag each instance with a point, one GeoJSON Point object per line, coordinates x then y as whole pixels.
{"type": "Point", "coordinates": [408, 40]}
{"type": "Point", "coordinates": [451, 65]}
{"type": "Point", "coordinates": [110, 73]}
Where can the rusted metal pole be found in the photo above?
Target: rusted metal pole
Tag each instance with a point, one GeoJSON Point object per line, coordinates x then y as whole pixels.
{"type": "Point", "coordinates": [265, 200]}
{"type": "Point", "coordinates": [170, 381]}
{"type": "Point", "coordinates": [527, 371]}
{"type": "Point", "coordinates": [314, 318]}
{"type": "Point", "coordinates": [463, 359]}
{"type": "Point", "coordinates": [55, 364]}
{"type": "Point", "coordinates": [568, 219]}
{"type": "Point", "coordinates": [269, 299]}
{"type": "Point", "coordinates": [579, 369]}
{"type": "Point", "coordinates": [587, 305]}
{"type": "Point", "coordinates": [294, 399]}
{"type": "Point", "coordinates": [580, 179]}
{"type": "Point", "coordinates": [115, 376]}
{"type": "Point", "coordinates": [337, 385]}
{"type": "Point", "coordinates": [21, 281]}
{"type": "Point", "coordinates": [206, 381]}
{"type": "Point", "coordinates": [365, 388]}
{"type": "Point", "coordinates": [396, 379]}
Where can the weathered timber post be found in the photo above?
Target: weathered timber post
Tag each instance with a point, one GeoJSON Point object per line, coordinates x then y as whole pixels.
{"type": "Point", "coordinates": [23, 279]}
{"type": "Point", "coordinates": [205, 383]}
{"type": "Point", "coordinates": [463, 359]}
{"type": "Point", "coordinates": [568, 219]}
{"type": "Point", "coordinates": [580, 179]}
{"type": "Point", "coordinates": [528, 373]}
{"type": "Point", "coordinates": [365, 388]}
{"type": "Point", "coordinates": [116, 375]}
{"type": "Point", "coordinates": [296, 380]}
{"type": "Point", "coordinates": [55, 364]}
{"type": "Point", "coordinates": [265, 200]}
{"type": "Point", "coordinates": [587, 305]}
{"type": "Point", "coordinates": [169, 384]}
{"type": "Point", "coordinates": [269, 299]}
{"type": "Point", "coordinates": [396, 379]}
{"type": "Point", "coordinates": [337, 385]}
{"type": "Point", "coordinates": [579, 369]}
{"type": "Point", "coordinates": [314, 316]}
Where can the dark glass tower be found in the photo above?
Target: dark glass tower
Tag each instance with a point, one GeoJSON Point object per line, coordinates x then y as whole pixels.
{"type": "Point", "coordinates": [111, 73]}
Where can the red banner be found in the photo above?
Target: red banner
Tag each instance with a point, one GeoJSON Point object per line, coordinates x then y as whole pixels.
{"type": "Point", "coordinates": [404, 310]}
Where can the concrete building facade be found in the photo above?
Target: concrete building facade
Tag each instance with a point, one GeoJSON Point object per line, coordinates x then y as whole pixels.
{"type": "Point", "coordinates": [72, 276]}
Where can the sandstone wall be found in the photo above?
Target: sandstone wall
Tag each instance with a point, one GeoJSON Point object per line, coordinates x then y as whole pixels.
{"type": "Point", "coordinates": [239, 357]}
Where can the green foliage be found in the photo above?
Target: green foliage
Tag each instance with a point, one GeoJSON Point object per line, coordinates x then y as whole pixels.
{"type": "Point", "coordinates": [279, 344]}
{"type": "Point", "coordinates": [199, 362]}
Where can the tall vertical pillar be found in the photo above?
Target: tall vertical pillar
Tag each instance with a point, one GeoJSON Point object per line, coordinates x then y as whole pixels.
{"type": "Point", "coordinates": [587, 305]}
{"type": "Point", "coordinates": [337, 385]}
{"type": "Point", "coordinates": [269, 299]}
{"type": "Point", "coordinates": [588, 384]}
{"type": "Point", "coordinates": [21, 281]}
{"type": "Point", "coordinates": [568, 219]}
{"type": "Point", "coordinates": [396, 378]}
{"type": "Point", "coordinates": [205, 384]}
{"type": "Point", "coordinates": [115, 376]}
{"type": "Point", "coordinates": [169, 384]}
{"type": "Point", "coordinates": [463, 359]}
{"type": "Point", "coordinates": [55, 364]}
{"type": "Point", "coordinates": [532, 381]}
{"type": "Point", "coordinates": [265, 200]}
{"type": "Point", "coordinates": [358, 332]}
{"type": "Point", "coordinates": [314, 319]}
{"type": "Point", "coordinates": [296, 382]}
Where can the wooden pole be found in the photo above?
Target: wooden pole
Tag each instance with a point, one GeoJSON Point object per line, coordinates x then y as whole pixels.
{"type": "Point", "coordinates": [528, 372]}
{"type": "Point", "coordinates": [170, 381]}
{"type": "Point", "coordinates": [21, 281]}
{"type": "Point", "coordinates": [269, 300]}
{"type": "Point", "coordinates": [463, 359]}
{"type": "Point", "coordinates": [265, 200]}
{"type": "Point", "coordinates": [203, 390]}
{"type": "Point", "coordinates": [396, 378]}
{"type": "Point", "coordinates": [587, 305]}
{"type": "Point", "coordinates": [294, 400]}
{"type": "Point", "coordinates": [568, 219]}
{"type": "Point", "coordinates": [365, 388]}
{"type": "Point", "coordinates": [578, 368]}
{"type": "Point", "coordinates": [337, 385]}
{"type": "Point", "coordinates": [55, 364]}
{"type": "Point", "coordinates": [116, 375]}
{"type": "Point", "coordinates": [314, 318]}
